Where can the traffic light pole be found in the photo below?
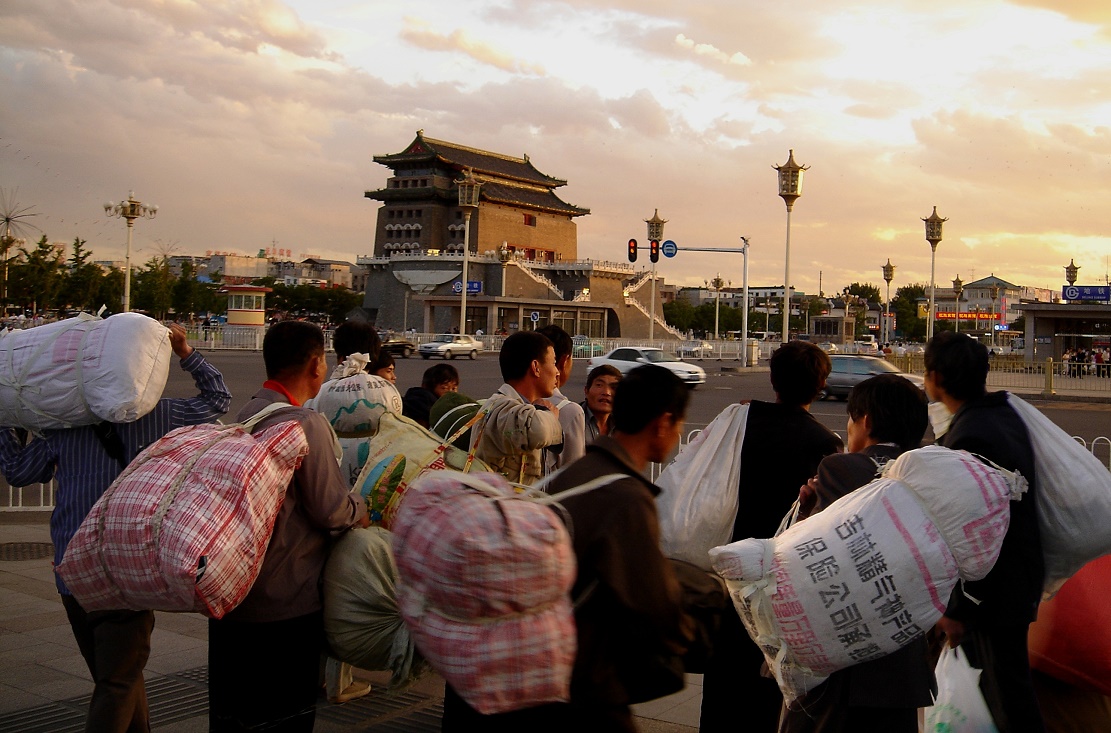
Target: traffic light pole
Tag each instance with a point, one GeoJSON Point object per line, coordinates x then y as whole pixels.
{"type": "Point", "coordinates": [744, 317]}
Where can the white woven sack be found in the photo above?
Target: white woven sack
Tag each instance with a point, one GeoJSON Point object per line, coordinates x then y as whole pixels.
{"type": "Point", "coordinates": [699, 490]}
{"type": "Point", "coordinates": [1074, 498]}
{"type": "Point", "coordinates": [82, 371]}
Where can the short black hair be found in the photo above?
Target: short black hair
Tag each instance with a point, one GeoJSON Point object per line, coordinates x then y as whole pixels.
{"type": "Point", "coordinates": [355, 337]}
{"type": "Point", "coordinates": [384, 361]}
{"type": "Point", "coordinates": [602, 370]}
{"type": "Point", "coordinates": [959, 364]}
{"type": "Point", "coordinates": [519, 350]}
{"type": "Point", "coordinates": [439, 374]}
{"type": "Point", "coordinates": [644, 394]}
{"type": "Point", "coordinates": [896, 408]}
{"type": "Point", "coordinates": [561, 341]}
{"type": "Point", "coordinates": [799, 370]}
{"type": "Point", "coordinates": [289, 346]}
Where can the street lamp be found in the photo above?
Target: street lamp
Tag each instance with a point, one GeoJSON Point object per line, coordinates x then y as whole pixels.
{"type": "Point", "coordinates": [1071, 272]}
{"type": "Point", "coordinates": [958, 289]}
{"type": "Point", "coordinates": [790, 188]}
{"type": "Point", "coordinates": [993, 291]}
{"type": "Point", "coordinates": [468, 201]}
{"type": "Point", "coordinates": [888, 275]}
{"type": "Point", "coordinates": [744, 315]}
{"type": "Point", "coordinates": [655, 234]}
{"type": "Point", "coordinates": [850, 301]}
{"type": "Point", "coordinates": [717, 284]}
{"type": "Point", "coordinates": [933, 236]}
{"type": "Point", "coordinates": [129, 210]}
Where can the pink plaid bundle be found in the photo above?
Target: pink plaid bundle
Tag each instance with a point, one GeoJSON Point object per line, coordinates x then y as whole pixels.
{"type": "Point", "coordinates": [186, 525]}
{"type": "Point", "coordinates": [485, 576]}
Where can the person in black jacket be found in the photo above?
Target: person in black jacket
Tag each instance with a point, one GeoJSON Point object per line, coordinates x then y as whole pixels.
{"type": "Point", "coordinates": [887, 416]}
{"type": "Point", "coordinates": [989, 618]}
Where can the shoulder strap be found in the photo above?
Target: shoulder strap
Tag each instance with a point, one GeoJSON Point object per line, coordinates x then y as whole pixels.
{"type": "Point", "coordinates": [250, 423]}
{"type": "Point", "coordinates": [111, 442]}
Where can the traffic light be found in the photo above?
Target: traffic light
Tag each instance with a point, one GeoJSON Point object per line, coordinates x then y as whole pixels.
{"type": "Point", "coordinates": [654, 250]}
{"type": "Point", "coordinates": [632, 250]}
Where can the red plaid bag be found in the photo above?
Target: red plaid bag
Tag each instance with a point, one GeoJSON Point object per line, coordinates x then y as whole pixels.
{"type": "Point", "coordinates": [485, 576]}
{"type": "Point", "coordinates": [186, 525]}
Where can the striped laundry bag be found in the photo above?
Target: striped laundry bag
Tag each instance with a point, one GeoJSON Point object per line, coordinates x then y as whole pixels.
{"type": "Point", "coordinates": [186, 525]}
{"type": "Point", "coordinates": [485, 571]}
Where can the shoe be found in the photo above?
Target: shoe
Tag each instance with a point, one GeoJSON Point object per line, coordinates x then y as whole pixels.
{"type": "Point", "coordinates": [357, 689]}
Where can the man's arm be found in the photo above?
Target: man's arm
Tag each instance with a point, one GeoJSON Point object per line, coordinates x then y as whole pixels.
{"type": "Point", "coordinates": [214, 398]}
{"type": "Point", "coordinates": [515, 427]}
{"type": "Point", "coordinates": [325, 495]}
{"type": "Point", "coordinates": [21, 465]}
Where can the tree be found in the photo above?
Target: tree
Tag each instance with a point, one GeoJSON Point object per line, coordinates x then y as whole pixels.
{"type": "Point", "coordinates": [153, 288]}
{"type": "Point", "coordinates": [84, 279]}
{"type": "Point", "coordinates": [38, 278]}
{"type": "Point", "coordinates": [905, 306]}
{"type": "Point", "coordinates": [868, 291]}
{"type": "Point", "coordinates": [679, 313]}
{"type": "Point", "coordinates": [110, 292]}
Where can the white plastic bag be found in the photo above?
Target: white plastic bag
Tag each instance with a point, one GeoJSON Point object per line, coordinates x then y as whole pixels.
{"type": "Point", "coordinates": [699, 490]}
{"type": "Point", "coordinates": [960, 706]}
{"type": "Point", "coordinates": [1074, 498]}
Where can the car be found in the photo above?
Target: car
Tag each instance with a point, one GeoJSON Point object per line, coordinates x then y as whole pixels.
{"type": "Point", "coordinates": [396, 345]}
{"type": "Point", "coordinates": [627, 358]}
{"type": "Point", "coordinates": [450, 345]}
{"type": "Point", "coordinates": [585, 347]}
{"type": "Point", "coordinates": [696, 349]}
{"type": "Point", "coordinates": [850, 370]}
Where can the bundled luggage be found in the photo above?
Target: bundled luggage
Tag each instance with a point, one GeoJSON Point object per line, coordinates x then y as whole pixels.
{"type": "Point", "coordinates": [186, 525]}
{"type": "Point", "coordinates": [485, 579]}
{"type": "Point", "coordinates": [82, 371]}
{"type": "Point", "coordinates": [874, 570]}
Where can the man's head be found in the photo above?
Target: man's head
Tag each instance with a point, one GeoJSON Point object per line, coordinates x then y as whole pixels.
{"type": "Point", "coordinates": [564, 350]}
{"type": "Point", "coordinates": [651, 402]}
{"type": "Point", "coordinates": [601, 384]}
{"type": "Point", "coordinates": [293, 352]}
{"type": "Point", "coordinates": [527, 361]}
{"type": "Point", "coordinates": [799, 370]}
{"type": "Point", "coordinates": [440, 378]}
{"type": "Point", "coordinates": [355, 337]}
{"type": "Point", "coordinates": [886, 409]}
{"type": "Point", "coordinates": [958, 365]}
{"type": "Point", "coordinates": [384, 367]}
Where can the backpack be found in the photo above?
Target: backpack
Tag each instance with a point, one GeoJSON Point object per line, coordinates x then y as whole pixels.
{"type": "Point", "coordinates": [186, 525]}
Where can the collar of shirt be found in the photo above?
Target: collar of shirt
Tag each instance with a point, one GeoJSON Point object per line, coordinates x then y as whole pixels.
{"type": "Point", "coordinates": [280, 389]}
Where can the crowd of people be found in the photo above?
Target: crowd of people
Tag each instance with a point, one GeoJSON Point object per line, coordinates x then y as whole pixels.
{"type": "Point", "coordinates": [631, 602]}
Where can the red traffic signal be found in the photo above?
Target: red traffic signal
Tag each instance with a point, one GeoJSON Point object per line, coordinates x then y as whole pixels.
{"type": "Point", "coordinates": [632, 250]}
{"type": "Point", "coordinates": [654, 250]}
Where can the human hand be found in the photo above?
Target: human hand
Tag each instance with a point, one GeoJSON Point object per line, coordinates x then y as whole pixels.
{"type": "Point", "coordinates": [177, 341]}
{"type": "Point", "coordinates": [808, 496]}
{"type": "Point", "coordinates": [543, 404]}
{"type": "Point", "coordinates": [951, 629]}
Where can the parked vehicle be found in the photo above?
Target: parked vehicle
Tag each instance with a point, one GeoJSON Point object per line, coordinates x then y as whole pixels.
{"type": "Point", "coordinates": [585, 347]}
{"type": "Point", "coordinates": [627, 358]}
{"type": "Point", "coordinates": [397, 345]}
{"type": "Point", "coordinates": [450, 345]}
{"type": "Point", "coordinates": [696, 349]}
{"type": "Point", "coordinates": [850, 370]}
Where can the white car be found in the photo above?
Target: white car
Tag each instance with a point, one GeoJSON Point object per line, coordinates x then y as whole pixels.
{"type": "Point", "coordinates": [450, 345]}
{"type": "Point", "coordinates": [627, 358]}
{"type": "Point", "coordinates": [696, 349]}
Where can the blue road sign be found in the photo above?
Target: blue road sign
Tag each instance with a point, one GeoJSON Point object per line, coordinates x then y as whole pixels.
{"type": "Point", "coordinates": [474, 287]}
{"type": "Point", "coordinates": [1086, 292]}
{"type": "Point", "coordinates": [534, 316]}
{"type": "Point", "coordinates": [669, 248]}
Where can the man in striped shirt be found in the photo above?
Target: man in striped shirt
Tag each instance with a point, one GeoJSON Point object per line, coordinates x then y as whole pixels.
{"type": "Point", "coordinates": [115, 644]}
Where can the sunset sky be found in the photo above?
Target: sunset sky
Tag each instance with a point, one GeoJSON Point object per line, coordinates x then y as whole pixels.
{"type": "Point", "coordinates": [253, 124]}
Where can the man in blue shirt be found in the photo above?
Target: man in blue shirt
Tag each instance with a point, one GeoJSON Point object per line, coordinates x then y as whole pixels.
{"type": "Point", "coordinates": [115, 644]}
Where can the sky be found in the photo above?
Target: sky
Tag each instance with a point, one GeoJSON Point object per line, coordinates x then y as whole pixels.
{"type": "Point", "coordinates": [253, 124]}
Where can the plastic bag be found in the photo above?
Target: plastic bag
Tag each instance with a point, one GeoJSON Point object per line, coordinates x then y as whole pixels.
{"type": "Point", "coordinates": [960, 706]}
{"type": "Point", "coordinates": [699, 490]}
{"type": "Point", "coordinates": [1074, 498]}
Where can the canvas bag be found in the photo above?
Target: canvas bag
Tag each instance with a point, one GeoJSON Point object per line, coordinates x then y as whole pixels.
{"type": "Point", "coordinates": [699, 490]}
{"type": "Point", "coordinates": [871, 572]}
{"type": "Point", "coordinates": [1074, 498]}
{"type": "Point", "coordinates": [185, 527]}
{"type": "Point", "coordinates": [82, 371]}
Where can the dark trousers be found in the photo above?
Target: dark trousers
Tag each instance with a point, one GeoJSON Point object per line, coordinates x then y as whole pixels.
{"type": "Point", "coordinates": [115, 645]}
{"type": "Point", "coordinates": [1000, 651]}
{"type": "Point", "coordinates": [733, 688]}
{"type": "Point", "coordinates": [264, 676]}
{"type": "Point", "coordinates": [459, 717]}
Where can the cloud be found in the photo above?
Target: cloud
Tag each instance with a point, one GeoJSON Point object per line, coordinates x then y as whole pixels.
{"type": "Point", "coordinates": [419, 34]}
{"type": "Point", "coordinates": [711, 51]}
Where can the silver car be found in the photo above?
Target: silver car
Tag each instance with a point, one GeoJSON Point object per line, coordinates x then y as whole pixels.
{"type": "Point", "coordinates": [450, 345]}
{"type": "Point", "coordinates": [850, 370]}
{"type": "Point", "coordinates": [627, 358]}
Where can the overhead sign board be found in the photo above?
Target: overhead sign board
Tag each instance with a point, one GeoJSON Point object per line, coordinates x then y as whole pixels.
{"type": "Point", "coordinates": [474, 287]}
{"type": "Point", "coordinates": [1086, 292]}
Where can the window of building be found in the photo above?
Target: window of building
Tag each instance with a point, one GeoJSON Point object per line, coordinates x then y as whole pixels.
{"type": "Point", "coordinates": [590, 324]}
{"type": "Point", "coordinates": [530, 220]}
{"type": "Point", "coordinates": [565, 320]}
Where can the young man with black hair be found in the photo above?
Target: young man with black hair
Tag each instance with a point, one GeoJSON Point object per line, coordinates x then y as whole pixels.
{"type": "Point", "coordinates": [629, 603]}
{"type": "Point", "coordinates": [571, 417]}
{"type": "Point", "coordinates": [989, 618]}
{"type": "Point", "coordinates": [437, 380]}
{"type": "Point", "coordinates": [264, 655]}
{"type": "Point", "coordinates": [782, 448]}
{"type": "Point", "coordinates": [601, 384]}
{"type": "Point", "coordinates": [887, 417]}
{"type": "Point", "coordinates": [355, 337]}
{"type": "Point", "coordinates": [520, 420]}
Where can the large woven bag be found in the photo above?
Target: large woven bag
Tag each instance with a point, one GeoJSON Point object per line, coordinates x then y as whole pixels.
{"type": "Point", "coordinates": [185, 527]}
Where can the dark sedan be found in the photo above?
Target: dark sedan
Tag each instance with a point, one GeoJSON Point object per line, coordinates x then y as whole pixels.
{"type": "Point", "coordinates": [397, 345]}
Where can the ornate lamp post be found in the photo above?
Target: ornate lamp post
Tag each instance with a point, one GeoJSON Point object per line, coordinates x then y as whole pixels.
{"type": "Point", "coordinates": [655, 233]}
{"type": "Point", "coordinates": [958, 289]}
{"type": "Point", "coordinates": [933, 236]}
{"type": "Point", "coordinates": [129, 210]}
{"type": "Point", "coordinates": [994, 292]}
{"type": "Point", "coordinates": [790, 188]}
{"type": "Point", "coordinates": [850, 302]}
{"type": "Point", "coordinates": [468, 201]}
{"type": "Point", "coordinates": [1071, 272]}
{"type": "Point", "coordinates": [888, 275]}
{"type": "Point", "coordinates": [744, 315]}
